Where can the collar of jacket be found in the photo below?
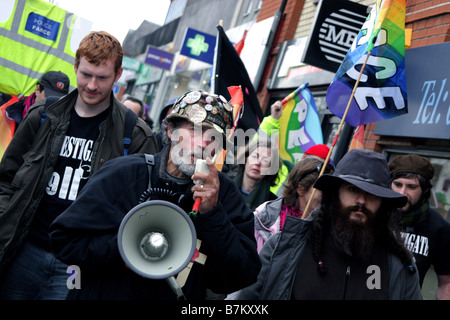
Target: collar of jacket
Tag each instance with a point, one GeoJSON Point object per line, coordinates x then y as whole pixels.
{"type": "Point", "coordinates": [60, 106]}
{"type": "Point", "coordinates": [294, 225]}
{"type": "Point", "coordinates": [269, 212]}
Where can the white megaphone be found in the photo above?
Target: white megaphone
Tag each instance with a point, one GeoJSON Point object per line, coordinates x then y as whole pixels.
{"type": "Point", "coordinates": [157, 240]}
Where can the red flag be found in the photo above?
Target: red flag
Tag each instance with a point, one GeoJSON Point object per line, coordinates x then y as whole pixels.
{"type": "Point", "coordinates": [240, 45]}
{"type": "Point", "coordinates": [358, 138]}
{"type": "Point", "coordinates": [237, 100]}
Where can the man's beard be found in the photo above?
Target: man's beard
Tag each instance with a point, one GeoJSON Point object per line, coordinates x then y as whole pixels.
{"type": "Point", "coordinates": [354, 235]}
{"type": "Point", "coordinates": [184, 163]}
{"type": "Point", "coordinates": [185, 160]}
{"type": "Point", "coordinates": [411, 207]}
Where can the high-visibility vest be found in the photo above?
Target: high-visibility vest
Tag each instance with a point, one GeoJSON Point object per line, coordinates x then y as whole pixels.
{"type": "Point", "coordinates": [35, 37]}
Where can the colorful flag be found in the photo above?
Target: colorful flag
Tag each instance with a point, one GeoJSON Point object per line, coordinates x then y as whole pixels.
{"type": "Point", "coordinates": [358, 138]}
{"type": "Point", "coordinates": [381, 92]}
{"type": "Point", "coordinates": [7, 126]}
{"type": "Point", "coordinates": [228, 71]}
{"type": "Point", "coordinates": [300, 126]}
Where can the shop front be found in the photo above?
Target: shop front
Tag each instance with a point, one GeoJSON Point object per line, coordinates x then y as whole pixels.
{"type": "Point", "coordinates": [425, 129]}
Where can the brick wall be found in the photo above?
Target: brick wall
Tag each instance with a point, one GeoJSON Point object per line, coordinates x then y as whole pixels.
{"type": "Point", "coordinates": [429, 21]}
{"type": "Point", "coordinates": [289, 22]}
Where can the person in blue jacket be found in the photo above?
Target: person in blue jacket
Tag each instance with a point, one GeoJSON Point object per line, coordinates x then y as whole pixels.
{"type": "Point", "coordinates": [86, 234]}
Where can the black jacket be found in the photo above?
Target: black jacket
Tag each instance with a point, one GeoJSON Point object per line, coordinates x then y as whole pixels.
{"type": "Point", "coordinates": [86, 235]}
{"type": "Point", "coordinates": [30, 159]}
{"type": "Point", "coordinates": [281, 256]}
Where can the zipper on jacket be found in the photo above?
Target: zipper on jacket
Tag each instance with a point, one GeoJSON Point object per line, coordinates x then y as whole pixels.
{"type": "Point", "coordinates": [347, 276]}
{"type": "Point", "coordinates": [348, 260]}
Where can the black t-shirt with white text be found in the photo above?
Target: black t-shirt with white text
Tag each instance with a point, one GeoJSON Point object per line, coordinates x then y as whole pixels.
{"type": "Point", "coordinates": [71, 173]}
{"type": "Point", "coordinates": [429, 241]}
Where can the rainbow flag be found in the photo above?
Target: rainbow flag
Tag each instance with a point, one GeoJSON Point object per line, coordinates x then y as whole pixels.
{"type": "Point", "coordinates": [300, 126]}
{"type": "Point", "coordinates": [381, 93]}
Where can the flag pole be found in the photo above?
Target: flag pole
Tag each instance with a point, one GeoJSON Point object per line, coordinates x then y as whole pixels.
{"type": "Point", "coordinates": [213, 77]}
{"type": "Point", "coordinates": [338, 131]}
{"type": "Point", "coordinates": [220, 160]}
{"type": "Point", "coordinates": [293, 93]}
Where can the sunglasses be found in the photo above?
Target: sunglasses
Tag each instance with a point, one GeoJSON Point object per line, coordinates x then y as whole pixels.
{"type": "Point", "coordinates": [329, 168]}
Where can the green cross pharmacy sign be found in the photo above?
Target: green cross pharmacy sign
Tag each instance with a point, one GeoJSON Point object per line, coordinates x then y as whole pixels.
{"type": "Point", "coordinates": [199, 45]}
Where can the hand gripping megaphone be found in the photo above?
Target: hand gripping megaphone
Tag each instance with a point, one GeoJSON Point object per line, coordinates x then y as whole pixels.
{"type": "Point", "coordinates": [157, 240]}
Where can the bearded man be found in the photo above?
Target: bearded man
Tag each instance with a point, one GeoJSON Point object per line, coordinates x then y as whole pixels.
{"type": "Point", "coordinates": [347, 248]}
{"type": "Point", "coordinates": [86, 234]}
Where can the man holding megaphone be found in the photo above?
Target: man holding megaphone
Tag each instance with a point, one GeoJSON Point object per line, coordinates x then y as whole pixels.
{"type": "Point", "coordinates": [132, 227]}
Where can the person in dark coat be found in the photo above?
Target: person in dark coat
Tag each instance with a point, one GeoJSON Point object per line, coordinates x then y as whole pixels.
{"type": "Point", "coordinates": [348, 248]}
{"type": "Point", "coordinates": [424, 230]}
{"type": "Point", "coordinates": [163, 114]}
{"type": "Point", "coordinates": [86, 234]}
{"type": "Point", "coordinates": [54, 152]}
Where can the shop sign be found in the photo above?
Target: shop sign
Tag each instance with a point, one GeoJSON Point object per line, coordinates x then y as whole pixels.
{"type": "Point", "coordinates": [159, 58]}
{"type": "Point", "coordinates": [428, 86]}
{"type": "Point", "coordinates": [335, 26]}
{"type": "Point", "coordinates": [199, 45]}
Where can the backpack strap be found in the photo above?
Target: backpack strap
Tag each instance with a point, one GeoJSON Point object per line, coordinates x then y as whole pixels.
{"type": "Point", "coordinates": [150, 161]}
{"type": "Point", "coordinates": [49, 101]}
{"type": "Point", "coordinates": [130, 122]}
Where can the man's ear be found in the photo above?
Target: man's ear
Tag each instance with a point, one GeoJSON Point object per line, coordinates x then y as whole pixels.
{"type": "Point", "coordinates": [169, 130]}
{"type": "Point", "coordinates": [119, 74]}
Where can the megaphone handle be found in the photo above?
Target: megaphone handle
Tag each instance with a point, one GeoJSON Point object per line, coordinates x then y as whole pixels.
{"type": "Point", "coordinates": [175, 287]}
{"type": "Point", "coordinates": [196, 207]}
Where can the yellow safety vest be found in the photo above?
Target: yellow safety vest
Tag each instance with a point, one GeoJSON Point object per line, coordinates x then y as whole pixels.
{"type": "Point", "coordinates": [36, 37]}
